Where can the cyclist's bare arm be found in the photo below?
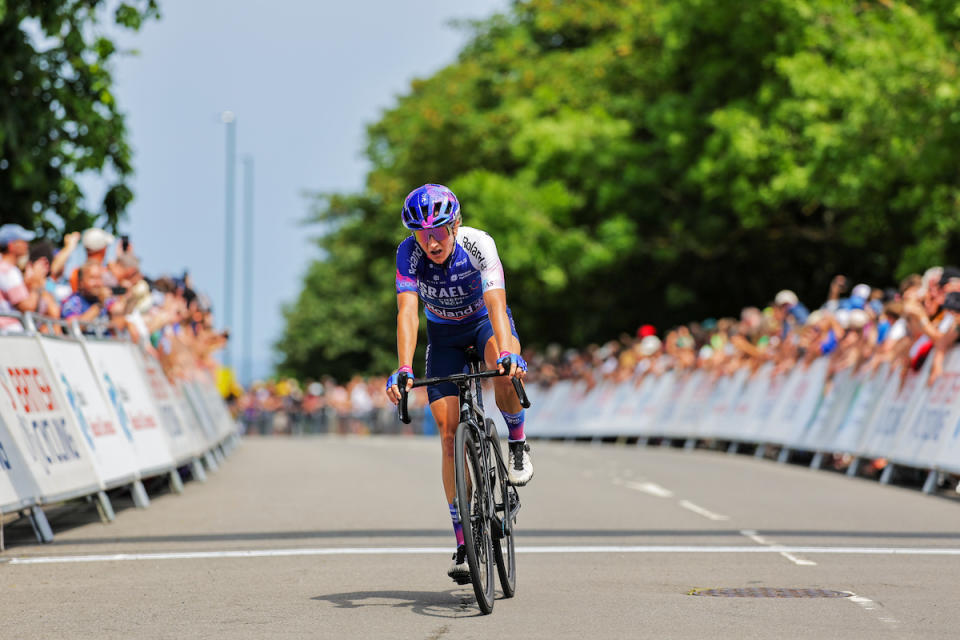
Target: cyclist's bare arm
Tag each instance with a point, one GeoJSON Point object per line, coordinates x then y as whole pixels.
{"type": "Point", "coordinates": [496, 301]}
{"type": "Point", "coordinates": [408, 324]}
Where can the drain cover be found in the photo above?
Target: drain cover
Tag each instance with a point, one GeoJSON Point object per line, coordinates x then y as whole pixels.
{"type": "Point", "coordinates": [769, 593]}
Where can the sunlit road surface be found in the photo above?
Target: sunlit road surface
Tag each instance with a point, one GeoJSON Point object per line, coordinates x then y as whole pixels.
{"type": "Point", "coordinates": [350, 538]}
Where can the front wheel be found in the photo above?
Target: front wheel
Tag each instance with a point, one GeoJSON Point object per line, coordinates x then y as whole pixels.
{"type": "Point", "coordinates": [473, 506]}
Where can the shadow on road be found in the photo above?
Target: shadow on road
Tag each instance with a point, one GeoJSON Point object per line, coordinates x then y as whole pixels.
{"type": "Point", "coordinates": [456, 603]}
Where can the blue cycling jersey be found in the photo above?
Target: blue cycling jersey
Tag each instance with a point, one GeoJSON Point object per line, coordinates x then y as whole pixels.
{"type": "Point", "coordinates": [452, 292]}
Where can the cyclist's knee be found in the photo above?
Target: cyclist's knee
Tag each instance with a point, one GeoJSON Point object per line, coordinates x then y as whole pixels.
{"type": "Point", "coordinates": [446, 441]}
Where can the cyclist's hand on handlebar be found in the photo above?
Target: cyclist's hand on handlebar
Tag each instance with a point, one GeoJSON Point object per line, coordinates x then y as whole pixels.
{"type": "Point", "coordinates": [393, 390]}
{"type": "Point", "coordinates": [512, 364]}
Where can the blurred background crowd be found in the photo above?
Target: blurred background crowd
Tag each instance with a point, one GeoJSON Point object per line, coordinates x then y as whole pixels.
{"type": "Point", "coordinates": [93, 284]}
{"type": "Point", "coordinates": [857, 326]}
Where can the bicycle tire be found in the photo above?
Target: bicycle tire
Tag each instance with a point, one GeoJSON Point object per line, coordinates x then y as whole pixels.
{"type": "Point", "coordinates": [504, 552]}
{"type": "Point", "coordinates": [474, 510]}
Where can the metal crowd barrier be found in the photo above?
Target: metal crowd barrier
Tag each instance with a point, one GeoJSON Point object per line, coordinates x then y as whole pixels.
{"type": "Point", "coordinates": [381, 421]}
{"type": "Point", "coordinates": [82, 413]}
{"type": "Point", "coordinates": [866, 414]}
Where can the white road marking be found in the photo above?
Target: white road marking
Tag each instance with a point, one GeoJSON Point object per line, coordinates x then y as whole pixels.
{"type": "Point", "coordinates": [750, 533]}
{"type": "Point", "coordinates": [344, 551]}
{"type": "Point", "coordinates": [700, 511]}
{"type": "Point", "coordinates": [870, 605]}
{"type": "Point", "coordinates": [651, 489]}
{"type": "Point", "coordinates": [797, 561]}
{"type": "Point", "coordinates": [753, 536]}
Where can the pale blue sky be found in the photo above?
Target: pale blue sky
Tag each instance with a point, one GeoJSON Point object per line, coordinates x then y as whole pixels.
{"type": "Point", "coordinates": [304, 78]}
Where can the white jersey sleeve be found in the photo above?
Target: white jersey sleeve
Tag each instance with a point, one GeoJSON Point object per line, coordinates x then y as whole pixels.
{"type": "Point", "coordinates": [482, 250]}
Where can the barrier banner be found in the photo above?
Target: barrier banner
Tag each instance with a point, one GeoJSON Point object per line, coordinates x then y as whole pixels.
{"type": "Point", "coordinates": [17, 486]}
{"type": "Point", "coordinates": [836, 403]}
{"type": "Point", "coordinates": [672, 396]}
{"type": "Point", "coordinates": [202, 409]}
{"type": "Point", "coordinates": [110, 441]}
{"type": "Point", "coordinates": [691, 405]}
{"type": "Point", "coordinates": [599, 407]}
{"type": "Point", "coordinates": [767, 406]}
{"type": "Point", "coordinates": [801, 400]}
{"type": "Point", "coordinates": [126, 389]}
{"type": "Point", "coordinates": [934, 420]}
{"type": "Point", "coordinates": [948, 455]}
{"type": "Point", "coordinates": [41, 425]}
{"type": "Point", "coordinates": [628, 417]}
{"type": "Point", "coordinates": [851, 430]}
{"type": "Point", "coordinates": [745, 420]}
{"type": "Point", "coordinates": [721, 419]}
{"type": "Point", "coordinates": [897, 402]}
{"type": "Point", "coordinates": [543, 415]}
{"type": "Point", "coordinates": [220, 417]}
{"type": "Point", "coordinates": [188, 406]}
{"type": "Point", "coordinates": [186, 442]}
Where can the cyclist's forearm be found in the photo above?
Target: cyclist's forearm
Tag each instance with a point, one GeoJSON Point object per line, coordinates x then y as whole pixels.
{"type": "Point", "coordinates": [408, 324]}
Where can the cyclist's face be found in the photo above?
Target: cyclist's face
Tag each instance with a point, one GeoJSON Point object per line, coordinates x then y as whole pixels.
{"type": "Point", "coordinates": [437, 243]}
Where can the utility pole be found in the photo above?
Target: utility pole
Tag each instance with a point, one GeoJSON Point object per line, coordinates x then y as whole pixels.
{"type": "Point", "coordinates": [247, 356]}
{"type": "Point", "coordinates": [229, 119]}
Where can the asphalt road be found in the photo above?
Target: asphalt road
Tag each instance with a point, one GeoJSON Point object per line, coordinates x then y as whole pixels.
{"type": "Point", "coordinates": [350, 538]}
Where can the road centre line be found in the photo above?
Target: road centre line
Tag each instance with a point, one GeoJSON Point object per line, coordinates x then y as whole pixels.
{"type": "Point", "coordinates": [869, 605]}
{"type": "Point", "coordinates": [345, 551]}
{"type": "Point", "coordinates": [709, 515]}
{"type": "Point", "coordinates": [750, 533]}
{"type": "Point", "coordinates": [650, 488]}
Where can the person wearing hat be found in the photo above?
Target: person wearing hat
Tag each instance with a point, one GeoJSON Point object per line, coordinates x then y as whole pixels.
{"type": "Point", "coordinates": [96, 242]}
{"type": "Point", "coordinates": [788, 310]}
{"type": "Point", "coordinates": [14, 294]}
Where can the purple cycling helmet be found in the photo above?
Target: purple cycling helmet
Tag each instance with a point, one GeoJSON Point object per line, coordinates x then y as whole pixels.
{"type": "Point", "coordinates": [430, 206]}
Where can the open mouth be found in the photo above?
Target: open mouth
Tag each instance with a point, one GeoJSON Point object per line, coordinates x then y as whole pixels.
{"type": "Point", "coordinates": [435, 253]}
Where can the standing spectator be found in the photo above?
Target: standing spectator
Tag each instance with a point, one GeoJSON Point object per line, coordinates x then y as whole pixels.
{"type": "Point", "coordinates": [14, 294]}
{"type": "Point", "coordinates": [36, 276]}
{"type": "Point", "coordinates": [789, 311]}
{"type": "Point", "coordinates": [95, 241]}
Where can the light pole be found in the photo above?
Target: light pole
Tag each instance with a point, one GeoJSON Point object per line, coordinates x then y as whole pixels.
{"type": "Point", "coordinates": [247, 356]}
{"type": "Point", "coordinates": [229, 119]}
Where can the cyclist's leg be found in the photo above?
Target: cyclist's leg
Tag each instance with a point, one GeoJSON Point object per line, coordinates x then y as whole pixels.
{"type": "Point", "coordinates": [446, 412]}
{"type": "Point", "coordinates": [520, 467]}
{"type": "Point", "coordinates": [445, 356]}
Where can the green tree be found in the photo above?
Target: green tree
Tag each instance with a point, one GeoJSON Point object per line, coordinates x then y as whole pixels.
{"type": "Point", "coordinates": [665, 160]}
{"type": "Point", "coordinates": [58, 117]}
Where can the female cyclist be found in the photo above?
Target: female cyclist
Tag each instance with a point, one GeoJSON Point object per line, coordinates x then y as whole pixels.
{"type": "Point", "coordinates": [457, 273]}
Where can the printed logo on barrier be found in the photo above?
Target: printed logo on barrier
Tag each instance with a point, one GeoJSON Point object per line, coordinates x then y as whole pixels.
{"type": "Point", "coordinates": [82, 421]}
{"type": "Point", "coordinates": [34, 393]}
{"type": "Point", "coordinates": [48, 441]}
{"type": "Point", "coordinates": [4, 459]}
{"type": "Point", "coordinates": [118, 407]}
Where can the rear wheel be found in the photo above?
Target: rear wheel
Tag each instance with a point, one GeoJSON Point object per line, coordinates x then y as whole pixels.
{"type": "Point", "coordinates": [473, 505]}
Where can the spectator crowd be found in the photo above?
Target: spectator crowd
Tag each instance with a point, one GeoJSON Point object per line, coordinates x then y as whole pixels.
{"type": "Point", "coordinates": [105, 293]}
{"type": "Point", "coordinates": [857, 327]}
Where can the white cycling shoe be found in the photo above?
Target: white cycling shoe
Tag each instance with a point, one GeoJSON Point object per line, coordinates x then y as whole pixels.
{"type": "Point", "coordinates": [459, 570]}
{"type": "Point", "coordinates": [519, 467]}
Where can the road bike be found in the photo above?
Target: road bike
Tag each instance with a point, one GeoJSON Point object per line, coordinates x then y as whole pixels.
{"type": "Point", "coordinates": [487, 502]}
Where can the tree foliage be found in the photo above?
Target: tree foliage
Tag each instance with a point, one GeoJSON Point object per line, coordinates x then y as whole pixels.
{"type": "Point", "coordinates": [58, 117]}
{"type": "Point", "coordinates": [661, 160]}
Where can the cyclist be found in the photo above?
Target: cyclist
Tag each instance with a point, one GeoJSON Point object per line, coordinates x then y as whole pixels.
{"type": "Point", "coordinates": [457, 273]}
